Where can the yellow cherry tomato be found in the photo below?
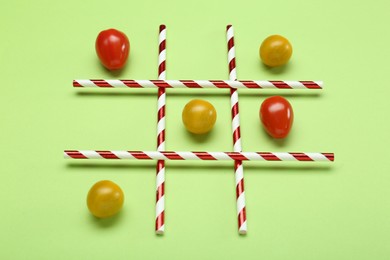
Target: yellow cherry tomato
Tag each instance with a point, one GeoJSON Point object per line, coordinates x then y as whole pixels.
{"type": "Point", "coordinates": [199, 116]}
{"type": "Point", "coordinates": [275, 51]}
{"type": "Point", "coordinates": [105, 199]}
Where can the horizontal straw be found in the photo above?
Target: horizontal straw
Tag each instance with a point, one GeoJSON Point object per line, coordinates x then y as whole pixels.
{"type": "Point", "coordinates": [185, 155]}
{"type": "Point", "coordinates": [239, 84]}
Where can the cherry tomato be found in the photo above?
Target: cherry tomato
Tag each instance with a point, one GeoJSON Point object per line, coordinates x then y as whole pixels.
{"type": "Point", "coordinates": [199, 116]}
{"type": "Point", "coordinates": [105, 199]}
{"type": "Point", "coordinates": [275, 51]}
{"type": "Point", "coordinates": [112, 47]}
{"type": "Point", "coordinates": [277, 116]}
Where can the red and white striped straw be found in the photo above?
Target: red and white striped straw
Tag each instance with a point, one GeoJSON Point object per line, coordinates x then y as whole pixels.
{"type": "Point", "coordinates": [206, 156]}
{"type": "Point", "coordinates": [238, 167]}
{"type": "Point", "coordinates": [215, 84]}
{"type": "Point", "coordinates": [160, 169]}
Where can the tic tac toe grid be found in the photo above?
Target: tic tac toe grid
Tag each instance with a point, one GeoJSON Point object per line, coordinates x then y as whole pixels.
{"type": "Point", "coordinates": [161, 155]}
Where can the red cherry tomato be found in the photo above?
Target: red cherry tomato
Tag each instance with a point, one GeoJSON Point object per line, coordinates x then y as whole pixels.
{"type": "Point", "coordinates": [277, 116]}
{"type": "Point", "coordinates": [112, 47]}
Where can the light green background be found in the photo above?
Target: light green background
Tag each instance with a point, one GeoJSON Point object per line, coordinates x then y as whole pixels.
{"type": "Point", "coordinates": [295, 210]}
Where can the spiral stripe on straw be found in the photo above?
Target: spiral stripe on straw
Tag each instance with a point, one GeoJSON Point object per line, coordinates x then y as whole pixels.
{"type": "Point", "coordinates": [231, 53]}
{"type": "Point", "coordinates": [160, 168]}
{"type": "Point", "coordinates": [162, 56]}
{"type": "Point", "coordinates": [238, 167]}
{"type": "Point", "coordinates": [207, 156]}
{"type": "Point", "coordinates": [239, 84]}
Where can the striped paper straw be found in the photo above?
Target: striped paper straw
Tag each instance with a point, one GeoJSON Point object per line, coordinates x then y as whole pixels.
{"type": "Point", "coordinates": [238, 167]}
{"type": "Point", "coordinates": [193, 155]}
{"type": "Point", "coordinates": [160, 168]}
{"type": "Point", "coordinates": [215, 84]}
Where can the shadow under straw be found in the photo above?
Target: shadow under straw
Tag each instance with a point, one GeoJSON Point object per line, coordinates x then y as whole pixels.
{"type": "Point", "coordinates": [287, 167]}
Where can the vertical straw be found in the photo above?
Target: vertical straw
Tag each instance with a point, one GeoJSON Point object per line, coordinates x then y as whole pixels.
{"type": "Point", "coordinates": [160, 169]}
{"type": "Point", "coordinates": [238, 167]}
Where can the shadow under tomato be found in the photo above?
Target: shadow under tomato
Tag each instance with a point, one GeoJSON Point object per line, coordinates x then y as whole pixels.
{"type": "Point", "coordinates": [280, 142]}
{"type": "Point", "coordinates": [115, 73]}
{"type": "Point", "coordinates": [200, 138]}
{"type": "Point", "coordinates": [106, 222]}
{"type": "Point", "coordinates": [276, 70]}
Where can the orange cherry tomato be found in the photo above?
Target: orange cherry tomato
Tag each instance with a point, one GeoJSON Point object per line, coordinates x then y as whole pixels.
{"type": "Point", "coordinates": [277, 116]}
{"type": "Point", "coordinates": [112, 47]}
{"type": "Point", "coordinates": [275, 51]}
{"type": "Point", "coordinates": [199, 116]}
{"type": "Point", "coordinates": [105, 199]}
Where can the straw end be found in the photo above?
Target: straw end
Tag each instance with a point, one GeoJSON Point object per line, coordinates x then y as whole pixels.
{"type": "Point", "coordinates": [320, 83]}
{"type": "Point", "coordinates": [160, 232]}
{"type": "Point", "coordinates": [242, 232]}
{"type": "Point", "coordinates": [76, 84]}
{"type": "Point", "coordinates": [162, 27]}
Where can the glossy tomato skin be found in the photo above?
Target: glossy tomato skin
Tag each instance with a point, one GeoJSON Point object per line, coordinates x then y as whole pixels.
{"type": "Point", "coordinates": [275, 51]}
{"type": "Point", "coordinates": [277, 116]}
{"type": "Point", "coordinates": [199, 116]}
{"type": "Point", "coordinates": [105, 199]}
{"type": "Point", "coordinates": [112, 47]}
